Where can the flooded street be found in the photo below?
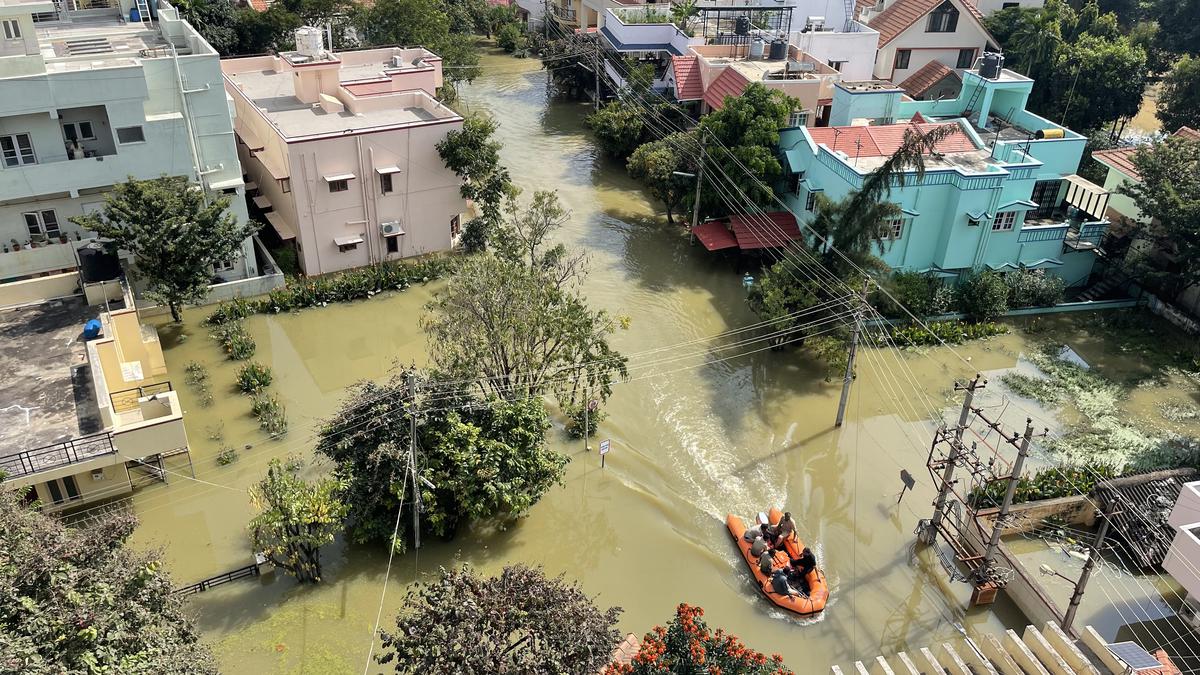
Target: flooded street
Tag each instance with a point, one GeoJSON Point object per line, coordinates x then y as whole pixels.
{"type": "Point", "coordinates": [702, 428]}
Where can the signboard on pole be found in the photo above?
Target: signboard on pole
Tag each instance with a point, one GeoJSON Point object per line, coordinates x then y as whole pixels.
{"type": "Point", "coordinates": [603, 451]}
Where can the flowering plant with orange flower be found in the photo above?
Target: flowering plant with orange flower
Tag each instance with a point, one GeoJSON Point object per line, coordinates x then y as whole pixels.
{"type": "Point", "coordinates": [687, 645]}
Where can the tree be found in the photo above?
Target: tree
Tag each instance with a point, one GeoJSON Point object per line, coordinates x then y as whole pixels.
{"type": "Point", "coordinates": [1178, 29]}
{"type": "Point", "coordinates": [175, 231]}
{"type": "Point", "coordinates": [619, 128]}
{"type": "Point", "coordinates": [781, 294]}
{"type": "Point", "coordinates": [983, 295]}
{"type": "Point", "coordinates": [216, 21]}
{"type": "Point", "coordinates": [746, 131]}
{"type": "Point", "coordinates": [474, 156]}
{"type": "Point", "coordinates": [420, 22]}
{"type": "Point", "coordinates": [296, 518]}
{"type": "Point", "coordinates": [1169, 195]}
{"type": "Point", "coordinates": [687, 645]}
{"type": "Point", "coordinates": [655, 164]}
{"type": "Point", "coordinates": [517, 622]}
{"type": "Point", "coordinates": [1179, 101]}
{"type": "Point", "coordinates": [480, 458]}
{"type": "Point", "coordinates": [79, 600]}
{"type": "Point", "coordinates": [510, 37]}
{"type": "Point", "coordinates": [1097, 80]}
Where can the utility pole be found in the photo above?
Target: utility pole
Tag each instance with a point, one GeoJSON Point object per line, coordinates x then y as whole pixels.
{"type": "Point", "coordinates": [849, 376]}
{"type": "Point", "coordinates": [930, 531]}
{"type": "Point", "coordinates": [1093, 553]}
{"type": "Point", "coordinates": [699, 180]}
{"type": "Point", "coordinates": [412, 456]}
{"type": "Point", "coordinates": [596, 72]}
{"type": "Point", "coordinates": [1013, 479]}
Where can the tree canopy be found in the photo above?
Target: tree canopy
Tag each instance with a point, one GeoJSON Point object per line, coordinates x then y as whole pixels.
{"type": "Point", "coordinates": [175, 232]}
{"type": "Point", "coordinates": [746, 129]}
{"type": "Point", "coordinates": [1179, 101]}
{"type": "Point", "coordinates": [688, 645]}
{"type": "Point", "coordinates": [474, 156]}
{"type": "Point", "coordinates": [79, 600]}
{"type": "Point", "coordinates": [420, 22]}
{"type": "Point", "coordinates": [655, 164]}
{"type": "Point", "coordinates": [519, 621]}
{"type": "Point", "coordinates": [1169, 195]}
{"type": "Point", "coordinates": [296, 518]}
{"type": "Point", "coordinates": [619, 128]}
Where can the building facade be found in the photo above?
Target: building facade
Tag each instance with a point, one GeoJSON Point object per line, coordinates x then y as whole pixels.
{"type": "Point", "coordinates": [1000, 193]}
{"type": "Point", "coordinates": [1183, 558]}
{"type": "Point", "coordinates": [90, 99]}
{"type": "Point", "coordinates": [340, 150]}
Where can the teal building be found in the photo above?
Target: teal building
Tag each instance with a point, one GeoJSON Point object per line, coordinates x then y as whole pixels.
{"type": "Point", "coordinates": [999, 193]}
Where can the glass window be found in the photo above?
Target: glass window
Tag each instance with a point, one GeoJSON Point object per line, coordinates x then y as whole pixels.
{"type": "Point", "coordinates": [130, 135]}
{"type": "Point", "coordinates": [454, 226]}
{"type": "Point", "coordinates": [894, 228]}
{"type": "Point", "coordinates": [17, 150]}
{"type": "Point", "coordinates": [285, 184]}
{"type": "Point", "coordinates": [12, 29]}
{"type": "Point", "coordinates": [799, 185]}
{"type": "Point", "coordinates": [1004, 221]}
{"type": "Point", "coordinates": [902, 58]}
{"type": "Point", "coordinates": [798, 118]}
{"type": "Point", "coordinates": [1008, 5]}
{"type": "Point", "coordinates": [42, 224]}
{"type": "Point", "coordinates": [393, 244]}
{"type": "Point", "coordinates": [966, 58]}
{"type": "Point", "coordinates": [385, 183]}
{"type": "Point", "coordinates": [811, 203]}
{"type": "Point", "coordinates": [78, 131]}
{"type": "Point", "coordinates": [944, 19]}
{"type": "Point", "coordinates": [339, 185]}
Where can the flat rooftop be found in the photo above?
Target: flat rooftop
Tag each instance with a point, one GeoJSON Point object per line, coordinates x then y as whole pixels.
{"type": "Point", "coordinates": [274, 94]}
{"type": "Point", "coordinates": [48, 395]}
{"type": "Point", "coordinates": [86, 42]}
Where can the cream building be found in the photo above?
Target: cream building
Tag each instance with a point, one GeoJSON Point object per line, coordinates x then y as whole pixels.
{"type": "Point", "coordinates": [91, 96]}
{"type": "Point", "coordinates": [341, 151]}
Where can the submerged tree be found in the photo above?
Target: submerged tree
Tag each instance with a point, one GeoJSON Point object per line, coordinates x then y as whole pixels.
{"type": "Point", "coordinates": [1168, 196]}
{"type": "Point", "coordinates": [174, 232]}
{"type": "Point", "coordinates": [517, 622]}
{"type": "Point", "coordinates": [80, 600]}
{"type": "Point", "coordinates": [744, 136]}
{"type": "Point", "coordinates": [688, 645]}
{"type": "Point", "coordinates": [474, 156]}
{"type": "Point", "coordinates": [619, 128]}
{"type": "Point", "coordinates": [655, 164]}
{"type": "Point", "coordinates": [296, 518]}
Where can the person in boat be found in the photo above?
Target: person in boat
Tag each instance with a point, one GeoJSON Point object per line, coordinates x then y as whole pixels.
{"type": "Point", "coordinates": [786, 529]}
{"type": "Point", "coordinates": [806, 563]}
{"type": "Point", "coordinates": [766, 560]}
{"type": "Point", "coordinates": [769, 535]}
{"type": "Point", "coordinates": [758, 545]}
{"type": "Point", "coordinates": [779, 583]}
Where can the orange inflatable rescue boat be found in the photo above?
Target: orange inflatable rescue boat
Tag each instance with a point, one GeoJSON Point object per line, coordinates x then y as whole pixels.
{"type": "Point", "coordinates": [818, 590]}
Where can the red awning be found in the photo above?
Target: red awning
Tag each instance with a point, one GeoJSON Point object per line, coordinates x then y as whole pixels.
{"type": "Point", "coordinates": [715, 235]}
{"type": "Point", "coordinates": [764, 230]}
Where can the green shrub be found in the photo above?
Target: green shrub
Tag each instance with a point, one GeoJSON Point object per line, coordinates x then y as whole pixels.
{"type": "Point", "coordinates": [1052, 483]}
{"type": "Point", "coordinates": [235, 340]}
{"type": "Point", "coordinates": [951, 332]}
{"type": "Point", "coordinates": [576, 418]}
{"type": "Point", "coordinates": [228, 455]}
{"type": "Point", "coordinates": [983, 296]}
{"type": "Point", "coordinates": [913, 290]}
{"type": "Point", "coordinates": [510, 37]}
{"type": "Point", "coordinates": [272, 418]}
{"type": "Point", "coordinates": [196, 376]}
{"type": "Point", "coordinates": [1034, 288]}
{"type": "Point", "coordinates": [475, 235]}
{"type": "Point", "coordinates": [231, 310]}
{"type": "Point", "coordinates": [1036, 388]}
{"type": "Point", "coordinates": [254, 377]}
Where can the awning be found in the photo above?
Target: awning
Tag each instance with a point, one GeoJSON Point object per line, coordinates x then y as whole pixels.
{"type": "Point", "coordinates": [262, 202]}
{"type": "Point", "coordinates": [1086, 196]}
{"type": "Point", "coordinates": [387, 169]}
{"type": "Point", "coordinates": [909, 212]}
{"type": "Point", "coordinates": [938, 272]}
{"type": "Point", "coordinates": [282, 227]}
{"type": "Point", "coordinates": [764, 230]}
{"type": "Point", "coordinates": [979, 215]}
{"type": "Point", "coordinates": [251, 186]}
{"type": "Point", "coordinates": [792, 157]}
{"type": "Point", "coordinates": [715, 235]}
{"type": "Point", "coordinates": [1018, 205]}
{"type": "Point", "coordinates": [249, 139]}
{"type": "Point", "coordinates": [1037, 264]}
{"type": "Point", "coordinates": [276, 172]}
{"type": "Point", "coordinates": [341, 176]}
{"type": "Point", "coordinates": [351, 240]}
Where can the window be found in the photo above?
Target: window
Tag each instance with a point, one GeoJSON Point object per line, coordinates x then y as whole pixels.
{"type": "Point", "coordinates": [78, 131]}
{"type": "Point", "coordinates": [130, 135]}
{"type": "Point", "coordinates": [339, 185]}
{"type": "Point", "coordinates": [285, 184]}
{"type": "Point", "coordinates": [798, 118]}
{"type": "Point", "coordinates": [42, 224]}
{"type": "Point", "coordinates": [12, 29]}
{"type": "Point", "coordinates": [799, 182]}
{"type": "Point", "coordinates": [43, 17]}
{"type": "Point", "coordinates": [902, 58]}
{"type": "Point", "coordinates": [836, 65]}
{"type": "Point", "coordinates": [894, 228]}
{"type": "Point", "coordinates": [1045, 194]}
{"type": "Point", "coordinates": [63, 490]}
{"type": "Point", "coordinates": [944, 19]}
{"type": "Point", "coordinates": [385, 183]}
{"type": "Point", "coordinates": [225, 265]}
{"type": "Point", "coordinates": [1004, 221]}
{"type": "Point", "coordinates": [350, 246]}
{"type": "Point", "coordinates": [811, 203]}
{"type": "Point", "coordinates": [454, 226]}
{"type": "Point", "coordinates": [966, 58]}
{"type": "Point", "coordinates": [393, 244]}
{"type": "Point", "coordinates": [1009, 5]}
{"type": "Point", "coordinates": [17, 150]}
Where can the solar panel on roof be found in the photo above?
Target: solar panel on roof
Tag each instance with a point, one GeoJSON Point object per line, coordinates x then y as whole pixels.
{"type": "Point", "coordinates": [1134, 655]}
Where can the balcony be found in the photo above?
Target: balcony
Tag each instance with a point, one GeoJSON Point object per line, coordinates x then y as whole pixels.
{"type": "Point", "coordinates": [57, 455]}
{"type": "Point", "coordinates": [564, 13]}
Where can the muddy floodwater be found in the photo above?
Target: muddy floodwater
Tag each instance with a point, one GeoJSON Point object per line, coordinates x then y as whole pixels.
{"type": "Point", "coordinates": [703, 428]}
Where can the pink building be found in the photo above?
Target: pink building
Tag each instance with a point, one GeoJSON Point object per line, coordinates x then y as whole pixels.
{"type": "Point", "coordinates": [340, 151]}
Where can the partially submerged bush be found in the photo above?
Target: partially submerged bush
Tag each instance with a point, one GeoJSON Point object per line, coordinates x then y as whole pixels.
{"type": "Point", "coordinates": [1052, 483]}
{"type": "Point", "coordinates": [272, 418]}
{"type": "Point", "coordinates": [196, 376]}
{"type": "Point", "coordinates": [254, 377]}
{"type": "Point", "coordinates": [950, 332]}
{"type": "Point", "coordinates": [235, 340]}
{"type": "Point", "coordinates": [228, 455]}
{"type": "Point", "coordinates": [983, 296]}
{"type": "Point", "coordinates": [1034, 288]}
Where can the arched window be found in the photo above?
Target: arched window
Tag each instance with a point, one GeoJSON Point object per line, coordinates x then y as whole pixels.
{"type": "Point", "coordinates": [944, 19]}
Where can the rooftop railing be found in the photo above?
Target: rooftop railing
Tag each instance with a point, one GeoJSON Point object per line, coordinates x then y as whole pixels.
{"type": "Point", "coordinates": [56, 455]}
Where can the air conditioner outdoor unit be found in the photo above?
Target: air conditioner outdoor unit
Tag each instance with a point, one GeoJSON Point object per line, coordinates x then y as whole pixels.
{"type": "Point", "coordinates": [398, 62]}
{"type": "Point", "coordinates": [391, 228]}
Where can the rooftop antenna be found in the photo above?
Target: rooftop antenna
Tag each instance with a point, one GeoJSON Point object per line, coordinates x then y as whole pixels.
{"type": "Point", "coordinates": [836, 132]}
{"type": "Point", "coordinates": [857, 150]}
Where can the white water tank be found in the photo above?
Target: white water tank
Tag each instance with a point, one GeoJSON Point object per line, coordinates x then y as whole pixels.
{"type": "Point", "coordinates": [310, 41]}
{"type": "Point", "coordinates": [756, 48]}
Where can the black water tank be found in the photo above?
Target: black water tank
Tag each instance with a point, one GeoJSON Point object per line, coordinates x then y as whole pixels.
{"type": "Point", "coordinates": [779, 49]}
{"type": "Point", "coordinates": [96, 264]}
{"type": "Point", "coordinates": [742, 25]}
{"type": "Point", "coordinates": [991, 65]}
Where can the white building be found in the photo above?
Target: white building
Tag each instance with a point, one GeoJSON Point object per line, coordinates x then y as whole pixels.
{"type": "Point", "coordinates": [90, 98]}
{"type": "Point", "coordinates": [1183, 558]}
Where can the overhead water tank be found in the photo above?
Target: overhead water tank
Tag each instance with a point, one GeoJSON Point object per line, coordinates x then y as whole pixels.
{"type": "Point", "coordinates": [779, 50]}
{"type": "Point", "coordinates": [757, 46]}
{"type": "Point", "coordinates": [991, 65]}
{"type": "Point", "coordinates": [741, 25]}
{"type": "Point", "coordinates": [97, 264]}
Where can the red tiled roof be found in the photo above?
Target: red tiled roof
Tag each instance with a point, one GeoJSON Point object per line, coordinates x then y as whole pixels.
{"type": "Point", "coordinates": [926, 77]}
{"type": "Point", "coordinates": [901, 14]}
{"type": "Point", "coordinates": [729, 83]}
{"type": "Point", "coordinates": [882, 141]}
{"type": "Point", "coordinates": [1121, 159]}
{"type": "Point", "coordinates": [259, 5]}
{"type": "Point", "coordinates": [715, 235]}
{"type": "Point", "coordinates": [918, 118]}
{"type": "Point", "coordinates": [764, 230]}
{"type": "Point", "coordinates": [688, 84]}
{"type": "Point", "coordinates": [499, 3]}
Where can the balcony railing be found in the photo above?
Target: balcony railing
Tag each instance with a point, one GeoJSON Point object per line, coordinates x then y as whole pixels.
{"type": "Point", "coordinates": [1085, 236]}
{"type": "Point", "coordinates": [1042, 233]}
{"type": "Point", "coordinates": [58, 454]}
{"type": "Point", "coordinates": [127, 399]}
{"type": "Point", "coordinates": [563, 13]}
